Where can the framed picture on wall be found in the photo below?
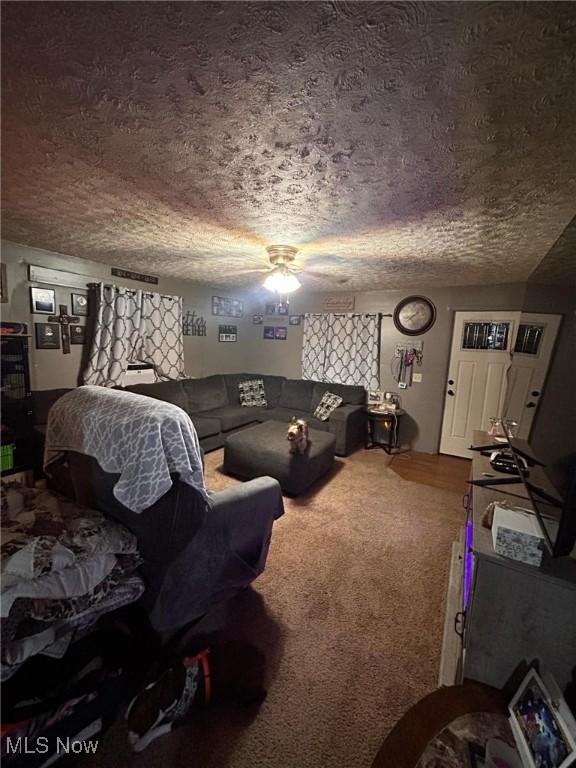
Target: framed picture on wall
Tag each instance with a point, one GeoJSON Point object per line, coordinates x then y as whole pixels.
{"type": "Point", "coordinates": [268, 332]}
{"type": "Point", "coordinates": [47, 335]}
{"type": "Point", "coordinates": [270, 308]}
{"type": "Point", "coordinates": [77, 334]}
{"type": "Point", "coordinates": [227, 333]}
{"type": "Point", "coordinates": [79, 304]}
{"type": "Point", "coordinates": [43, 301]}
{"type": "Point", "coordinates": [281, 332]}
{"type": "Point", "coordinates": [283, 308]}
{"type": "Point", "coordinates": [295, 319]}
{"type": "Point", "coordinates": [257, 319]}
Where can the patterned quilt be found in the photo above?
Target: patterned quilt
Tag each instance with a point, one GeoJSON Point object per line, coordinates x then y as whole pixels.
{"type": "Point", "coordinates": [62, 566]}
{"type": "Point", "coordinates": [141, 439]}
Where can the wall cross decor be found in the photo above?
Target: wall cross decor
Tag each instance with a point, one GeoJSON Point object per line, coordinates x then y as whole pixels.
{"type": "Point", "coordinates": [64, 320]}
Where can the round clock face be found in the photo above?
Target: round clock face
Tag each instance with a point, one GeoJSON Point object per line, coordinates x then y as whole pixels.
{"type": "Point", "coordinates": [414, 315]}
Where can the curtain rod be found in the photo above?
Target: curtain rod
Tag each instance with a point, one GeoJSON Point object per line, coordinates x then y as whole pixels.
{"type": "Point", "coordinates": [346, 314]}
{"type": "Point", "coordinates": [133, 291]}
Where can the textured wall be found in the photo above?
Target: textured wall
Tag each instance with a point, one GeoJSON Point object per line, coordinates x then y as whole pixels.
{"type": "Point", "coordinates": [398, 144]}
{"type": "Point", "coordinates": [51, 368]}
{"type": "Point", "coordinates": [424, 402]}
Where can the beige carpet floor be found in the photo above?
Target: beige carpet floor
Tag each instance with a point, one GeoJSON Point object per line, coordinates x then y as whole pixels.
{"type": "Point", "coordinates": [349, 613]}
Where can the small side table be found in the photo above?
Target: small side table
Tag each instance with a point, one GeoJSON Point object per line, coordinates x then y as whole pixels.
{"type": "Point", "coordinates": [389, 422]}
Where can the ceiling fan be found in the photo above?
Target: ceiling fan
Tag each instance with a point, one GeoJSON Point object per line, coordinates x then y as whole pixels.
{"type": "Point", "coordinates": [283, 270]}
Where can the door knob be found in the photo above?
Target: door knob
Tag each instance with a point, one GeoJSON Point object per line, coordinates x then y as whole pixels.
{"type": "Point", "coordinates": [530, 405]}
{"type": "Point", "coordinates": [451, 392]}
{"type": "Point", "coordinates": [535, 393]}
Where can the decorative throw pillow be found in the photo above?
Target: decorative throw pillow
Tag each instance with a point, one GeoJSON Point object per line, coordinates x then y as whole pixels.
{"type": "Point", "coordinates": [328, 404]}
{"type": "Point", "coordinates": [252, 393]}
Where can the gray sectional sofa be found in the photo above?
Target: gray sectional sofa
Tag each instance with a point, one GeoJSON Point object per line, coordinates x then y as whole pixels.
{"type": "Point", "coordinates": [214, 406]}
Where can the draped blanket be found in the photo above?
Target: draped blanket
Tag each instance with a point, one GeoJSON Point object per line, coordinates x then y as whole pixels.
{"type": "Point", "coordinates": [141, 439]}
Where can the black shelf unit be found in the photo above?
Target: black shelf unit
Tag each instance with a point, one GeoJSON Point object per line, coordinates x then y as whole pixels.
{"type": "Point", "coordinates": [17, 421]}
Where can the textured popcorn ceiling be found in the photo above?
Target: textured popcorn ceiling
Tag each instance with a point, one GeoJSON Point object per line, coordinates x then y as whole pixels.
{"type": "Point", "coordinates": [396, 144]}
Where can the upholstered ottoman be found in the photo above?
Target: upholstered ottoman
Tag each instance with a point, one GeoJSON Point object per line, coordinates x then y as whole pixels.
{"type": "Point", "coordinates": [264, 450]}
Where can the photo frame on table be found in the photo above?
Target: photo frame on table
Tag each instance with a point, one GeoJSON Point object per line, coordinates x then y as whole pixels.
{"type": "Point", "coordinates": [257, 319]}
{"type": "Point", "coordinates": [79, 304]}
{"type": "Point", "coordinates": [268, 332]}
{"type": "Point", "coordinates": [77, 334]}
{"type": "Point", "coordinates": [295, 319]}
{"type": "Point", "coordinates": [375, 397]}
{"type": "Point", "coordinates": [47, 335]}
{"type": "Point", "coordinates": [542, 724]}
{"type": "Point", "coordinates": [281, 333]}
{"type": "Point", "coordinates": [42, 301]}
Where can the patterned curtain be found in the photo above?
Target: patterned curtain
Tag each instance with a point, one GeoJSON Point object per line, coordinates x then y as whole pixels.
{"type": "Point", "coordinates": [135, 327]}
{"type": "Point", "coordinates": [117, 335]}
{"type": "Point", "coordinates": [163, 344]}
{"type": "Point", "coordinates": [343, 349]}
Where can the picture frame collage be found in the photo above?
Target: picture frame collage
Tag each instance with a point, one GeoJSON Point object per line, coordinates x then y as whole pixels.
{"type": "Point", "coordinates": [272, 310]}
{"type": "Point", "coordinates": [48, 334]}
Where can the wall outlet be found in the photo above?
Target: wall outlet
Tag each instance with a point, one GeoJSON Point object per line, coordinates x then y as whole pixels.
{"type": "Point", "coordinates": [417, 378]}
{"type": "Point", "coordinates": [402, 385]}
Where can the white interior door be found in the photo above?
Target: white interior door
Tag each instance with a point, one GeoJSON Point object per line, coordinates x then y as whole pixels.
{"type": "Point", "coordinates": [533, 349]}
{"type": "Point", "coordinates": [476, 384]}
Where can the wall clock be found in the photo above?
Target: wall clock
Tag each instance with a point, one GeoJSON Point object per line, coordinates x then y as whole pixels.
{"type": "Point", "coordinates": [414, 315]}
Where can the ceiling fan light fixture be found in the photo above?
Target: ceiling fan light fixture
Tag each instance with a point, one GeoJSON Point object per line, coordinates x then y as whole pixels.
{"type": "Point", "coordinates": [282, 280]}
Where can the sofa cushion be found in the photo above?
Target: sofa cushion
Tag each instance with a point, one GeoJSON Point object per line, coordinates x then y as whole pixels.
{"type": "Point", "coordinates": [272, 386]}
{"type": "Point", "coordinates": [329, 403]}
{"type": "Point", "coordinates": [252, 394]}
{"type": "Point", "coordinates": [205, 427]}
{"type": "Point", "coordinates": [205, 394]}
{"type": "Point", "coordinates": [232, 416]}
{"type": "Point", "coordinates": [350, 394]}
{"type": "Point", "coordinates": [43, 400]}
{"type": "Point", "coordinates": [168, 391]}
{"type": "Point", "coordinates": [296, 393]}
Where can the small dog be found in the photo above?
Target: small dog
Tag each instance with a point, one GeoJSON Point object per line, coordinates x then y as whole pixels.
{"type": "Point", "coordinates": [297, 435]}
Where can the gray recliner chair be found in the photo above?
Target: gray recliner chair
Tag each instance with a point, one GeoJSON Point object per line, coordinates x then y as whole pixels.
{"type": "Point", "coordinates": [195, 554]}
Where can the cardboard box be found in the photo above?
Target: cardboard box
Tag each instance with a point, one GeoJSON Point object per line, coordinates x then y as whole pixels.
{"type": "Point", "coordinates": [516, 534]}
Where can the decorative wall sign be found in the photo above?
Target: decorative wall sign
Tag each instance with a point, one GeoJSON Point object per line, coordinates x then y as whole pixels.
{"type": "Point", "coordinates": [64, 319]}
{"type": "Point", "coordinates": [268, 332]}
{"type": "Point", "coordinates": [338, 303]}
{"type": "Point", "coordinates": [193, 325]}
{"type": "Point", "coordinates": [227, 333]}
{"type": "Point", "coordinates": [77, 334]}
{"type": "Point", "coordinates": [47, 335]}
{"type": "Point", "coordinates": [138, 276]}
{"type": "Point", "coordinates": [227, 307]}
{"type": "Point", "coordinates": [3, 284]}
{"type": "Point", "coordinates": [295, 319]}
{"type": "Point", "coordinates": [281, 332]}
{"type": "Point", "coordinates": [257, 319]}
{"type": "Point", "coordinates": [43, 301]}
{"type": "Point", "coordinates": [79, 304]}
